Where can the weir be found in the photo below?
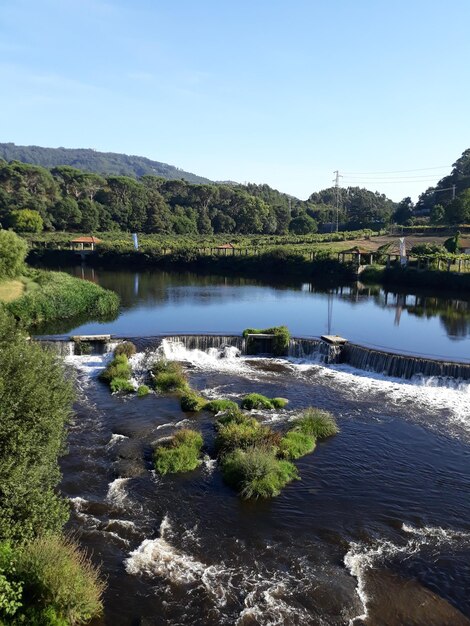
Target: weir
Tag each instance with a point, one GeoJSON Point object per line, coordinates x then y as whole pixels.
{"type": "Point", "coordinates": [400, 365]}
{"type": "Point", "coordinates": [309, 349]}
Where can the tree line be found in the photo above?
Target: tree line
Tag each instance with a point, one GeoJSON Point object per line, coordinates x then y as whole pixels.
{"type": "Point", "coordinates": [33, 198]}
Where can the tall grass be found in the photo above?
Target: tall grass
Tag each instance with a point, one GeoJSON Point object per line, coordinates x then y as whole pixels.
{"type": "Point", "coordinates": [257, 473]}
{"type": "Point", "coordinates": [179, 454]}
{"type": "Point", "coordinates": [244, 432]}
{"type": "Point", "coordinates": [258, 401]}
{"type": "Point", "coordinates": [295, 444]}
{"type": "Point", "coordinates": [316, 423]}
{"type": "Point", "coordinates": [60, 583]}
{"type": "Point", "coordinates": [61, 296]}
{"type": "Point", "coordinates": [169, 376]}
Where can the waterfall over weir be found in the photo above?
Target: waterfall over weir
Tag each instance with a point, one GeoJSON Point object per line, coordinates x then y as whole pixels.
{"type": "Point", "coordinates": [313, 349]}
{"type": "Point", "coordinates": [401, 365]}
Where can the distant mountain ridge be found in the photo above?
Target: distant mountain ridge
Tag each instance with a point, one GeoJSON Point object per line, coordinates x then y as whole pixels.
{"type": "Point", "coordinates": [98, 162]}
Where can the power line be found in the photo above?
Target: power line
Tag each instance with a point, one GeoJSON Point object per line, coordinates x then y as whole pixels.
{"type": "Point", "coordinates": [368, 178]}
{"type": "Point", "coordinates": [349, 181]}
{"type": "Point", "coordinates": [421, 169]}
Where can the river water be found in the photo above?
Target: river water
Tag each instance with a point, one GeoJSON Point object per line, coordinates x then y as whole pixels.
{"type": "Point", "coordinates": [377, 530]}
{"type": "Point", "coordinates": [157, 302]}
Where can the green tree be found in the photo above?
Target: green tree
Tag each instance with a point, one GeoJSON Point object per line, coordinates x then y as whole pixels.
{"type": "Point", "coordinates": [13, 252]}
{"type": "Point", "coordinates": [303, 225]}
{"type": "Point", "coordinates": [27, 221]}
{"type": "Point", "coordinates": [66, 214]}
{"type": "Point", "coordinates": [437, 214]}
{"type": "Point", "coordinates": [404, 211]}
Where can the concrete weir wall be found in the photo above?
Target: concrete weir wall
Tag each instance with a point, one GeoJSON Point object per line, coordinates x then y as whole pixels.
{"type": "Point", "coordinates": [321, 350]}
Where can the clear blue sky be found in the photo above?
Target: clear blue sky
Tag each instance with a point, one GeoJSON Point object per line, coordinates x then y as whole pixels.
{"type": "Point", "coordinates": [275, 91]}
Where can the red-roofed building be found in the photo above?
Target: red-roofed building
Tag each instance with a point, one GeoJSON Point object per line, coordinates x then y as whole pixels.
{"type": "Point", "coordinates": [85, 243]}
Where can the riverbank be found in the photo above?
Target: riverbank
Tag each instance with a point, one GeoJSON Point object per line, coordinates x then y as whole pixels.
{"type": "Point", "coordinates": [53, 296]}
{"type": "Point", "coordinates": [281, 263]}
{"type": "Point", "coordinates": [277, 262]}
{"type": "Point", "coordinates": [410, 277]}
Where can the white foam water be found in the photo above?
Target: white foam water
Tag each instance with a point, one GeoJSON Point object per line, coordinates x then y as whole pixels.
{"type": "Point", "coordinates": [362, 556]}
{"type": "Point", "coordinates": [447, 395]}
{"type": "Point", "coordinates": [227, 359]}
{"type": "Point", "coordinates": [263, 599]}
{"type": "Point", "coordinates": [117, 493]}
{"type": "Point", "coordinates": [115, 438]}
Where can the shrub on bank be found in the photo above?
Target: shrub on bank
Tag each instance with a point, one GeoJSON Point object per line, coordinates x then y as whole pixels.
{"type": "Point", "coordinates": [125, 347]}
{"type": "Point", "coordinates": [316, 423]}
{"type": "Point", "coordinates": [169, 376]}
{"type": "Point", "coordinates": [296, 444]}
{"type": "Point", "coordinates": [258, 401]}
{"type": "Point", "coordinates": [257, 473]}
{"type": "Point", "coordinates": [179, 454]}
{"type": "Point", "coordinates": [48, 581]}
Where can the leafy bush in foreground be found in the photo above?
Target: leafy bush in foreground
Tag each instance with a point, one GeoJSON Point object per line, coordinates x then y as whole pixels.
{"type": "Point", "coordinates": [316, 423]}
{"type": "Point", "coordinates": [258, 401]}
{"type": "Point", "coordinates": [35, 406]}
{"type": "Point", "coordinates": [49, 581]}
{"type": "Point", "coordinates": [257, 473]}
{"type": "Point", "coordinates": [179, 454]}
{"type": "Point", "coordinates": [296, 444]}
{"type": "Point", "coordinates": [168, 376]}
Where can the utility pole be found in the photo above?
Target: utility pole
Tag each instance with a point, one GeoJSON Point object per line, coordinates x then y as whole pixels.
{"type": "Point", "coordinates": [453, 192]}
{"type": "Point", "coordinates": [337, 196]}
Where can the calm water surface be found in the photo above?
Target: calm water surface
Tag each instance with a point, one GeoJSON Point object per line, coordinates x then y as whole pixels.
{"type": "Point", "coordinates": [157, 302]}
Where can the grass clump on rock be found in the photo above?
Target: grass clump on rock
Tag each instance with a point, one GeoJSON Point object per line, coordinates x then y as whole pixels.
{"type": "Point", "coordinates": [217, 406]}
{"type": "Point", "coordinates": [280, 341]}
{"type": "Point", "coordinates": [192, 402]}
{"type": "Point", "coordinates": [118, 375]}
{"type": "Point", "coordinates": [243, 432]}
{"type": "Point", "coordinates": [316, 423]}
{"type": "Point", "coordinates": [295, 444]}
{"type": "Point", "coordinates": [179, 454]}
{"type": "Point", "coordinates": [127, 348]}
{"type": "Point", "coordinates": [169, 376]}
{"type": "Point", "coordinates": [256, 472]}
{"type": "Point", "coordinates": [258, 401]}
{"type": "Point", "coordinates": [142, 391]}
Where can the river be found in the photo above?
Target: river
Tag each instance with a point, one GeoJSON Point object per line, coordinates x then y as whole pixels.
{"type": "Point", "coordinates": [377, 530]}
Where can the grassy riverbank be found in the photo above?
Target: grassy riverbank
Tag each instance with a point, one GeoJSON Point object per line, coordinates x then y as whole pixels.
{"type": "Point", "coordinates": [56, 295]}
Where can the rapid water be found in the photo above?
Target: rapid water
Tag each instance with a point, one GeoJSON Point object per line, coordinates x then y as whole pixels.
{"type": "Point", "coordinates": [375, 532]}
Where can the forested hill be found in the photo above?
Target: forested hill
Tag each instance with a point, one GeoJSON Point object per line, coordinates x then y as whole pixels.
{"type": "Point", "coordinates": [97, 162]}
